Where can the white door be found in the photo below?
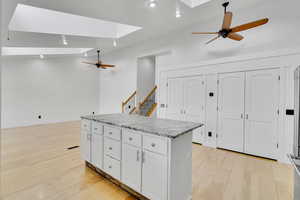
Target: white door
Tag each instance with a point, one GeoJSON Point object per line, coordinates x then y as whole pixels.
{"type": "Point", "coordinates": [85, 145]}
{"type": "Point", "coordinates": [131, 167]}
{"type": "Point", "coordinates": [231, 111]}
{"type": "Point", "coordinates": [175, 99]}
{"type": "Point", "coordinates": [154, 176]}
{"type": "Point", "coordinates": [261, 107]}
{"type": "Point", "coordinates": [194, 105]}
{"type": "Point", "coordinates": [97, 150]}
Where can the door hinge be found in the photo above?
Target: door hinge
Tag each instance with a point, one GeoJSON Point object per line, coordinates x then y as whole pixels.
{"type": "Point", "coordinates": [277, 145]}
{"type": "Point", "coordinates": [217, 135]}
{"type": "Point", "coordinates": [167, 84]}
{"type": "Point", "coordinates": [202, 82]}
{"type": "Point", "coordinates": [279, 78]}
{"type": "Point", "coordinates": [218, 82]}
{"type": "Point", "coordinates": [278, 111]}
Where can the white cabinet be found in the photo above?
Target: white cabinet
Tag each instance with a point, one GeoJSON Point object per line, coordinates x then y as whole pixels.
{"type": "Point", "coordinates": [186, 101]}
{"type": "Point", "coordinates": [231, 111]}
{"type": "Point", "coordinates": [132, 166]}
{"type": "Point", "coordinates": [154, 173]}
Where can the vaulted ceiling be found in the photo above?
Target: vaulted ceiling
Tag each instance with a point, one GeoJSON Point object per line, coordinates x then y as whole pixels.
{"type": "Point", "coordinates": [154, 21]}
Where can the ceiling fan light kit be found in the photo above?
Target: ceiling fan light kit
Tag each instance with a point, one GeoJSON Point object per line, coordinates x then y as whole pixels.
{"type": "Point", "coordinates": [232, 33]}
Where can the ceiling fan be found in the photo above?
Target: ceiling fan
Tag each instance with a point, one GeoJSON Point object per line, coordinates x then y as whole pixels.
{"type": "Point", "coordinates": [232, 33]}
{"type": "Point", "coordinates": [99, 63]}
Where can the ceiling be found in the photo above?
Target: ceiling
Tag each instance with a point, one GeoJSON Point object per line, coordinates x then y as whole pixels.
{"type": "Point", "coordinates": [154, 21]}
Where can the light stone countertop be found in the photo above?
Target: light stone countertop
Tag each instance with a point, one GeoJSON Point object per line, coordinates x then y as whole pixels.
{"type": "Point", "coordinates": [161, 127]}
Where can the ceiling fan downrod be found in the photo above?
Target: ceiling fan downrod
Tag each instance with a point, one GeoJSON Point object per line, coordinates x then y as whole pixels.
{"type": "Point", "coordinates": [225, 5]}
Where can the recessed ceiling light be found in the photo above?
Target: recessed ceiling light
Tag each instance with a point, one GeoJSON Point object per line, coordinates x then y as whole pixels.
{"type": "Point", "coordinates": [64, 40]}
{"type": "Point", "coordinates": [152, 3]}
{"type": "Point", "coordinates": [42, 56]}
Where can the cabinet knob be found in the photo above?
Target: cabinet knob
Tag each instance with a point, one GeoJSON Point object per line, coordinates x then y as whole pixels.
{"type": "Point", "coordinates": [110, 167]}
{"type": "Point", "coordinates": [130, 139]}
{"type": "Point", "coordinates": [153, 145]}
{"type": "Point", "coordinates": [110, 133]}
{"type": "Point", "coordinates": [110, 148]}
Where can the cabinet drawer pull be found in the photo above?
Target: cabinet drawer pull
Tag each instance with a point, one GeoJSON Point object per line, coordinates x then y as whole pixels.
{"type": "Point", "coordinates": [130, 139]}
{"type": "Point", "coordinates": [110, 133]}
{"type": "Point", "coordinates": [153, 145]}
{"type": "Point", "coordinates": [95, 129]}
{"type": "Point", "coordinates": [109, 166]}
{"type": "Point", "coordinates": [110, 148]}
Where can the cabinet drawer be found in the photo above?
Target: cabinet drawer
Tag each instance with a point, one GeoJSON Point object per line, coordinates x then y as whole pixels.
{"type": "Point", "coordinates": [155, 144]}
{"type": "Point", "coordinates": [86, 124]}
{"type": "Point", "coordinates": [112, 148]}
{"type": "Point", "coordinates": [97, 128]}
{"type": "Point", "coordinates": [112, 132]}
{"type": "Point", "coordinates": [112, 167]}
{"type": "Point", "coordinates": [132, 137]}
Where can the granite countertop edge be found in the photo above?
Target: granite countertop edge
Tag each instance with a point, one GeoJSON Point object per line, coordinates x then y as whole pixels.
{"type": "Point", "coordinates": [142, 130]}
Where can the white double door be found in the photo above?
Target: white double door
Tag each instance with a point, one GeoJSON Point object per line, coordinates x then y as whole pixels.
{"type": "Point", "coordinates": [248, 106]}
{"type": "Point", "coordinates": [186, 101]}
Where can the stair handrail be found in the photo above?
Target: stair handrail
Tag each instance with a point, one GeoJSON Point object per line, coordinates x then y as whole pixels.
{"type": "Point", "coordinates": [148, 96]}
{"type": "Point", "coordinates": [127, 100]}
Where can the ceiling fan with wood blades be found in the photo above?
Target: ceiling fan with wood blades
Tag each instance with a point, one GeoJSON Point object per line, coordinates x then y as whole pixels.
{"type": "Point", "coordinates": [232, 33]}
{"type": "Point", "coordinates": [99, 63]}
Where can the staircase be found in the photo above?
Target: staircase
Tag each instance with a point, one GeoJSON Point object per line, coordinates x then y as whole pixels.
{"type": "Point", "coordinates": [144, 108]}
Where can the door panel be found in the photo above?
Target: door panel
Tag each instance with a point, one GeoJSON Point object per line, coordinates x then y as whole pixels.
{"type": "Point", "coordinates": [97, 150]}
{"type": "Point", "coordinates": [85, 145]}
{"type": "Point", "coordinates": [194, 104]}
{"type": "Point", "coordinates": [131, 167]}
{"type": "Point", "coordinates": [262, 103]}
{"type": "Point", "coordinates": [231, 111]}
{"type": "Point", "coordinates": [175, 99]}
{"type": "Point", "coordinates": [154, 173]}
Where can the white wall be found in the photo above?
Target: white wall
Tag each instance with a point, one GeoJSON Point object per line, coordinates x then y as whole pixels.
{"type": "Point", "coordinates": [188, 53]}
{"type": "Point", "coordinates": [59, 89]}
{"type": "Point", "coordinates": [145, 77]}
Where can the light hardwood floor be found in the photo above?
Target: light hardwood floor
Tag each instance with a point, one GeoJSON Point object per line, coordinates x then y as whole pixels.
{"type": "Point", "coordinates": [37, 166]}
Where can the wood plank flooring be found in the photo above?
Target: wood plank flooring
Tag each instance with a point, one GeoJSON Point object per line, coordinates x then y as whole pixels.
{"type": "Point", "coordinates": [37, 166]}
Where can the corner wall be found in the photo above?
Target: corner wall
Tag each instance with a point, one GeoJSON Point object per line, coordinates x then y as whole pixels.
{"type": "Point", "coordinates": [58, 89]}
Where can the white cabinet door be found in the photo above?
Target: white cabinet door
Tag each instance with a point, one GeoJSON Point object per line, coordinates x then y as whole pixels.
{"type": "Point", "coordinates": [131, 167]}
{"type": "Point", "coordinates": [97, 150]}
{"type": "Point", "coordinates": [175, 99]}
{"type": "Point", "coordinates": [231, 111]}
{"type": "Point", "coordinates": [194, 105]}
{"type": "Point", "coordinates": [154, 176]}
{"type": "Point", "coordinates": [261, 106]}
{"type": "Point", "coordinates": [85, 145]}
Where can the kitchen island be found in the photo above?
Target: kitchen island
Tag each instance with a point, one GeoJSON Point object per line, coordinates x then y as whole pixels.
{"type": "Point", "coordinates": [148, 156]}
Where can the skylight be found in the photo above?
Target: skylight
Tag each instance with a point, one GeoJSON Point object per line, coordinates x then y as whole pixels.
{"type": "Point", "coordinates": [14, 51]}
{"type": "Point", "coordinates": [194, 3]}
{"type": "Point", "coordinates": [39, 20]}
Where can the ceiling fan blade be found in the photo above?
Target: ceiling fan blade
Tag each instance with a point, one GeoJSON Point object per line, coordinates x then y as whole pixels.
{"type": "Point", "coordinates": [204, 32]}
{"type": "Point", "coordinates": [89, 63]}
{"type": "Point", "coordinates": [235, 36]}
{"type": "Point", "coordinates": [227, 20]}
{"type": "Point", "coordinates": [105, 65]}
{"type": "Point", "coordinates": [250, 25]}
{"type": "Point", "coordinates": [213, 39]}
